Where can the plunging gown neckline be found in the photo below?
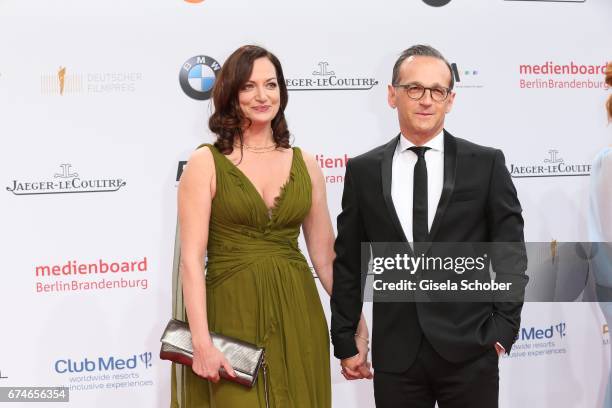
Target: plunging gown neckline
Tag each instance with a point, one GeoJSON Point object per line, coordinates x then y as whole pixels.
{"type": "Point", "coordinates": [278, 199]}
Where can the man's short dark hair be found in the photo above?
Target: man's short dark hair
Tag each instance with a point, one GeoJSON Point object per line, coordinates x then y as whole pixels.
{"type": "Point", "coordinates": [424, 51]}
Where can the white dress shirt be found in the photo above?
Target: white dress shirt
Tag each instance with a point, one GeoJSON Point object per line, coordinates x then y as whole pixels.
{"type": "Point", "coordinates": [402, 185]}
{"type": "Point", "coordinates": [402, 180]}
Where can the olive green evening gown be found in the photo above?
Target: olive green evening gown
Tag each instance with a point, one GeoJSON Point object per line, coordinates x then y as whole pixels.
{"type": "Point", "coordinates": [259, 288]}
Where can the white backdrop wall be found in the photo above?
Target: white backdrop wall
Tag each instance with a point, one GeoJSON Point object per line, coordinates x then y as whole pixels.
{"type": "Point", "coordinates": [121, 122]}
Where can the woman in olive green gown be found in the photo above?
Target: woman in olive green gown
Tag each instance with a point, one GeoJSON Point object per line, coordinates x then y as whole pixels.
{"type": "Point", "coordinates": [242, 202]}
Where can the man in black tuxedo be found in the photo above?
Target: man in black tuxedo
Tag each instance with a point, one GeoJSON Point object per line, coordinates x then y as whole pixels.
{"type": "Point", "coordinates": [426, 185]}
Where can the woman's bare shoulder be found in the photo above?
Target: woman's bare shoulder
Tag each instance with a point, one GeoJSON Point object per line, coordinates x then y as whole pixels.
{"type": "Point", "coordinates": [200, 165]}
{"type": "Point", "coordinates": [309, 159]}
{"type": "Point", "coordinates": [315, 172]}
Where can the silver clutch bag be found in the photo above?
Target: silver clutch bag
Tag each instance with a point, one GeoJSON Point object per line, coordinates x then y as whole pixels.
{"type": "Point", "coordinates": [245, 358]}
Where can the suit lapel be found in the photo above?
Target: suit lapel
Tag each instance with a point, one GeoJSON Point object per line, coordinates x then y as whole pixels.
{"type": "Point", "coordinates": [450, 171]}
{"type": "Point", "coordinates": [386, 175]}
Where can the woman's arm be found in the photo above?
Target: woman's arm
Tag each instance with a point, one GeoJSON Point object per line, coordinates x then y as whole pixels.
{"type": "Point", "coordinates": [319, 236]}
{"type": "Point", "coordinates": [318, 230]}
{"type": "Point", "coordinates": [195, 192]}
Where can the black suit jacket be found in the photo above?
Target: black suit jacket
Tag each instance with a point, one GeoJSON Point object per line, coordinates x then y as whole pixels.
{"type": "Point", "coordinates": [478, 204]}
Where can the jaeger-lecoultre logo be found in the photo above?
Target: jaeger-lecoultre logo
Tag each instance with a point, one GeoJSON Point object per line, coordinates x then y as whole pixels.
{"type": "Point", "coordinates": [65, 181]}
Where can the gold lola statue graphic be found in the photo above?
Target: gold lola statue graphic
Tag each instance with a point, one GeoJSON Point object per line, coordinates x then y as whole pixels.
{"type": "Point", "coordinates": [61, 76]}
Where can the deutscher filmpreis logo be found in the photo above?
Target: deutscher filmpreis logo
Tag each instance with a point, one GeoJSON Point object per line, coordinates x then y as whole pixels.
{"type": "Point", "coordinates": [65, 181]}
{"type": "Point", "coordinates": [65, 81]}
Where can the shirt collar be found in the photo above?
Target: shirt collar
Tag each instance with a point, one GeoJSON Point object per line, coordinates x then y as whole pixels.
{"type": "Point", "coordinates": [437, 143]}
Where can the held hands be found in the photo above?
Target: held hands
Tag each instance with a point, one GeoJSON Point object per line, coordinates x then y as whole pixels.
{"type": "Point", "coordinates": [208, 360]}
{"type": "Point", "coordinates": [358, 366]}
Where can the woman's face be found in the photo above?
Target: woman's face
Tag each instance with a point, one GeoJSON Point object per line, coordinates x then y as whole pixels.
{"type": "Point", "coordinates": [259, 97]}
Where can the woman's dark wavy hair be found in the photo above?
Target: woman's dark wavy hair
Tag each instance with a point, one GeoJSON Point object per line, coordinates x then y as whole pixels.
{"type": "Point", "coordinates": [228, 121]}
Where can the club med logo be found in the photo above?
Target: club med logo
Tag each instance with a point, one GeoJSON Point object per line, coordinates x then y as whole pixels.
{"type": "Point", "coordinates": [552, 166]}
{"type": "Point", "coordinates": [465, 77]}
{"type": "Point", "coordinates": [533, 333]}
{"type": "Point", "coordinates": [109, 372]}
{"type": "Point", "coordinates": [536, 341]}
{"type": "Point", "coordinates": [197, 76]}
{"type": "Point", "coordinates": [552, 75]}
{"type": "Point", "coordinates": [65, 82]}
{"type": "Point", "coordinates": [436, 3]}
{"type": "Point", "coordinates": [64, 182]}
{"type": "Point", "coordinates": [108, 363]}
{"type": "Point", "coordinates": [323, 78]}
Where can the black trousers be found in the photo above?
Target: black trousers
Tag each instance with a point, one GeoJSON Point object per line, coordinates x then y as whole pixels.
{"type": "Point", "coordinates": [431, 379]}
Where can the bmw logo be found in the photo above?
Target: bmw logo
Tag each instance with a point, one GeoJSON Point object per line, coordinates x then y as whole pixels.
{"type": "Point", "coordinates": [198, 75]}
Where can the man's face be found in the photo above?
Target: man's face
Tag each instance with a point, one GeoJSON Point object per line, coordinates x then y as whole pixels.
{"type": "Point", "coordinates": [422, 118]}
